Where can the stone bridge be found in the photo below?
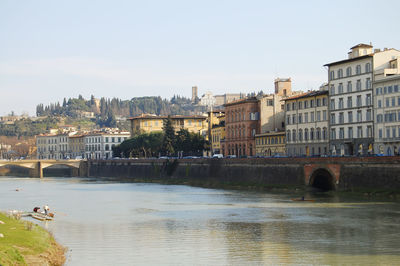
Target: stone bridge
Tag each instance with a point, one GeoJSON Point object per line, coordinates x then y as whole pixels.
{"type": "Point", "coordinates": [36, 166]}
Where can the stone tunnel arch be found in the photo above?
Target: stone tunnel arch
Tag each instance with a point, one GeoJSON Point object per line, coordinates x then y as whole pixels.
{"type": "Point", "coordinates": [322, 179]}
{"type": "Point", "coordinates": [60, 170]}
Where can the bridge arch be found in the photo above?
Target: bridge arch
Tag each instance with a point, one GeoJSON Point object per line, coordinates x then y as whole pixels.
{"type": "Point", "coordinates": [323, 179]}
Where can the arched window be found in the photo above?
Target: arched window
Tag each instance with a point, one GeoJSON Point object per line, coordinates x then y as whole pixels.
{"type": "Point", "coordinates": [312, 134]}
{"type": "Point", "coordinates": [300, 135]}
{"type": "Point", "coordinates": [358, 69]}
{"type": "Point", "coordinates": [332, 75]}
{"type": "Point", "coordinates": [294, 135]}
{"type": "Point", "coordinates": [348, 71]}
{"type": "Point", "coordinates": [325, 133]}
{"type": "Point", "coordinates": [288, 138]}
{"type": "Point", "coordinates": [306, 134]}
{"type": "Point", "coordinates": [340, 73]}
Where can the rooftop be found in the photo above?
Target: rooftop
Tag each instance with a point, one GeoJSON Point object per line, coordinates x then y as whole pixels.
{"type": "Point", "coordinates": [149, 116]}
{"type": "Point", "coordinates": [307, 95]}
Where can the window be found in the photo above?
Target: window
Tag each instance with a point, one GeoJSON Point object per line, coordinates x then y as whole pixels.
{"type": "Point", "coordinates": [340, 88]}
{"type": "Point", "coordinates": [324, 101]}
{"type": "Point", "coordinates": [325, 133]}
{"type": "Point", "coordinates": [341, 118]}
{"type": "Point", "coordinates": [349, 86]}
{"type": "Point", "coordinates": [341, 133]}
{"type": "Point", "coordinates": [368, 84]}
{"type": "Point", "coordinates": [350, 117]}
{"type": "Point", "coordinates": [359, 103]}
{"type": "Point", "coordinates": [300, 118]}
{"type": "Point", "coordinates": [388, 132]}
{"type": "Point", "coordinates": [305, 117]}
{"type": "Point", "coordinates": [306, 134]}
{"type": "Point", "coordinates": [333, 133]}
{"type": "Point", "coordinates": [293, 106]}
{"type": "Point", "coordinates": [318, 102]}
{"type": "Point", "coordinates": [300, 135]}
{"type": "Point", "coordinates": [359, 117]}
{"type": "Point", "coordinates": [349, 102]}
{"type": "Point", "coordinates": [380, 133]}
{"type": "Point", "coordinates": [312, 136]}
{"type": "Point", "coordinates": [311, 103]}
{"type": "Point", "coordinates": [393, 101]}
{"type": "Point", "coordinates": [341, 103]}
{"type": "Point", "coordinates": [368, 99]}
{"type": "Point", "coordinates": [300, 105]}
{"type": "Point", "coordinates": [340, 73]}
{"type": "Point", "coordinates": [379, 118]}
{"type": "Point", "coordinates": [332, 119]}
{"type": "Point", "coordinates": [348, 71]}
{"type": "Point", "coordinates": [332, 104]}
{"type": "Point", "coordinates": [293, 119]}
{"type": "Point", "coordinates": [332, 75]}
{"type": "Point", "coordinates": [358, 86]}
{"type": "Point", "coordinates": [294, 135]}
{"type": "Point", "coordinates": [387, 102]}
{"type": "Point", "coordinates": [390, 89]}
{"type": "Point", "coordinates": [396, 88]}
{"type": "Point", "coordinates": [305, 104]}
{"type": "Point", "coordinates": [312, 117]}
{"type": "Point", "coordinates": [318, 134]}
{"type": "Point", "coordinates": [350, 133]}
{"type": "Point", "coordinates": [359, 132]}
{"type": "Point", "coordinates": [288, 119]}
{"type": "Point", "coordinates": [288, 107]}
{"type": "Point", "coordinates": [358, 70]}
{"type": "Point", "coordinates": [380, 103]}
{"type": "Point", "coordinates": [324, 115]}
{"type": "Point", "coordinates": [367, 67]}
{"type": "Point", "coordinates": [332, 90]}
{"type": "Point", "coordinates": [319, 116]}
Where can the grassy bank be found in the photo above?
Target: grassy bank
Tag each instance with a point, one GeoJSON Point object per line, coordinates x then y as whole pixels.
{"type": "Point", "coordinates": [26, 243]}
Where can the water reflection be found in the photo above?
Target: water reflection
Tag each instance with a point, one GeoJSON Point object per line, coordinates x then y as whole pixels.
{"type": "Point", "coordinates": [105, 223]}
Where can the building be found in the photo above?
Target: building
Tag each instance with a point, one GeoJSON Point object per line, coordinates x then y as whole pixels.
{"type": "Point", "coordinates": [53, 146]}
{"type": "Point", "coordinates": [350, 98]}
{"type": "Point", "coordinates": [271, 144]}
{"type": "Point", "coordinates": [283, 86]}
{"type": "Point", "coordinates": [76, 146]}
{"type": "Point", "coordinates": [241, 125]}
{"type": "Point", "coordinates": [152, 123]}
{"type": "Point", "coordinates": [220, 100]}
{"type": "Point", "coordinates": [98, 145]}
{"type": "Point", "coordinates": [387, 111]}
{"type": "Point", "coordinates": [307, 124]}
{"type": "Point", "coordinates": [218, 134]}
{"type": "Point", "coordinates": [194, 94]}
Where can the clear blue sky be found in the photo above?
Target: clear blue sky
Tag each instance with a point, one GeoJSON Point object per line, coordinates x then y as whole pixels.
{"type": "Point", "coordinates": [55, 49]}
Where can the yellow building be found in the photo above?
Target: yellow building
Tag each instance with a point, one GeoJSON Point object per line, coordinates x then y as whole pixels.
{"type": "Point", "coordinates": [152, 123]}
{"type": "Point", "coordinates": [218, 134]}
{"type": "Point", "coordinates": [76, 146]}
{"type": "Point", "coordinates": [270, 144]}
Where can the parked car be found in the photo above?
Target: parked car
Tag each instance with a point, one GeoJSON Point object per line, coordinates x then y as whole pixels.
{"type": "Point", "coordinates": [218, 155]}
{"type": "Point", "coordinates": [231, 156]}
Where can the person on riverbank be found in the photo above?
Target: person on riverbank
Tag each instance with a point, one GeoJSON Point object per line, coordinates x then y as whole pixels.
{"type": "Point", "coordinates": [36, 209]}
{"type": "Point", "coordinates": [46, 209]}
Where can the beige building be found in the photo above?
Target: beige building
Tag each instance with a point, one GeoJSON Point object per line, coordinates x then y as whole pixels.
{"type": "Point", "coordinates": [53, 146]}
{"type": "Point", "coordinates": [271, 144]}
{"type": "Point", "coordinates": [228, 98]}
{"type": "Point", "coordinates": [387, 111]}
{"type": "Point", "coordinates": [98, 145]}
{"type": "Point", "coordinates": [350, 98]}
{"type": "Point", "coordinates": [76, 146]}
{"type": "Point", "coordinates": [307, 124]}
{"type": "Point", "coordinates": [152, 123]}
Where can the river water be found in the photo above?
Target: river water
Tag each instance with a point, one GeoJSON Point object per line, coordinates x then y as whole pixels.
{"type": "Point", "coordinates": [109, 223]}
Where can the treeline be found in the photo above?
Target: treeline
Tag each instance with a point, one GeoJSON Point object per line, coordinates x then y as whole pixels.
{"type": "Point", "coordinates": [165, 143]}
{"type": "Point", "coordinates": [28, 127]}
{"type": "Point", "coordinates": [105, 108]}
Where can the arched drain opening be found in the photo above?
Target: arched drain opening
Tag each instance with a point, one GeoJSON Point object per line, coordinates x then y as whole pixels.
{"type": "Point", "coordinates": [322, 180]}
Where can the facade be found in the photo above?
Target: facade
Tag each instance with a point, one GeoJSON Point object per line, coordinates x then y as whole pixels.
{"type": "Point", "coordinates": [241, 125]}
{"type": "Point", "coordinates": [98, 145]}
{"type": "Point", "coordinates": [271, 144]}
{"type": "Point", "coordinates": [152, 123]}
{"type": "Point", "coordinates": [387, 115]}
{"type": "Point", "coordinates": [218, 135]}
{"type": "Point", "coordinates": [307, 124]}
{"type": "Point", "coordinates": [76, 146]}
{"type": "Point", "coordinates": [220, 100]}
{"type": "Point", "coordinates": [350, 99]}
{"type": "Point", "coordinates": [53, 146]}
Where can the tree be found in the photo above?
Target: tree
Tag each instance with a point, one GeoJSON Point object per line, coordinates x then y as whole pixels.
{"type": "Point", "coordinates": [169, 137]}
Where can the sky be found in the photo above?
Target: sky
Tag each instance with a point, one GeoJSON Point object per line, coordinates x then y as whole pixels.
{"type": "Point", "coordinates": [55, 49]}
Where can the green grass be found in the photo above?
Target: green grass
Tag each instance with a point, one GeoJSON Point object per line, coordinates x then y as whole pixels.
{"type": "Point", "coordinates": [21, 238]}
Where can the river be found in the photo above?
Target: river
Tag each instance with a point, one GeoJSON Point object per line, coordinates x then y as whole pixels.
{"type": "Point", "coordinates": [110, 223]}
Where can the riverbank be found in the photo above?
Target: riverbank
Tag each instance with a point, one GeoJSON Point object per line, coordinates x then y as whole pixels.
{"type": "Point", "coordinates": [26, 243]}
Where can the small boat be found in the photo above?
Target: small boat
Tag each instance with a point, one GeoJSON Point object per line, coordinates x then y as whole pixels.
{"type": "Point", "coordinates": [303, 199]}
{"type": "Point", "coordinates": [41, 216]}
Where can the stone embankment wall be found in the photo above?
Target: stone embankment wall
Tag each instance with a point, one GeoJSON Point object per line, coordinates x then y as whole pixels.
{"type": "Point", "coordinates": [347, 173]}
